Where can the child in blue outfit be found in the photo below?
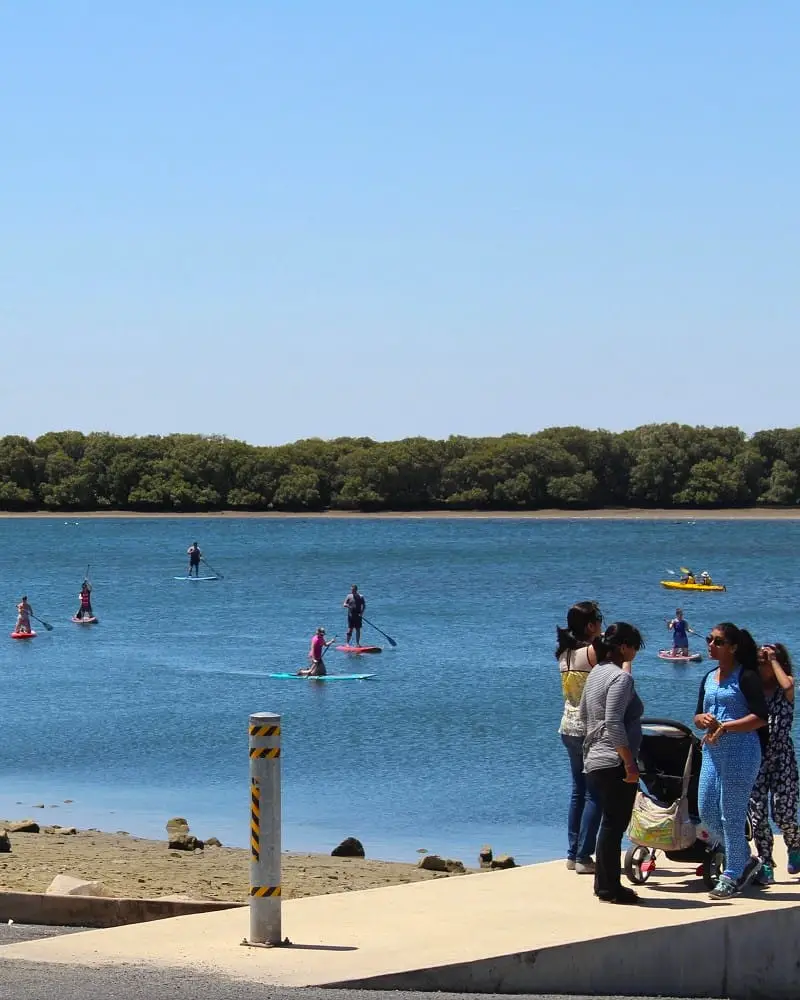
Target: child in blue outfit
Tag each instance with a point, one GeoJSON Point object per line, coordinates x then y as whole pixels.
{"type": "Point", "coordinates": [732, 709]}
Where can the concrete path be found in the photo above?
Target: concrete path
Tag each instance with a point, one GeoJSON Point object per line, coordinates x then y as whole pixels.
{"type": "Point", "coordinates": [536, 929]}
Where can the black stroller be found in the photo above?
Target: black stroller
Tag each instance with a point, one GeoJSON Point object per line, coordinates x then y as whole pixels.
{"type": "Point", "coordinates": [662, 758]}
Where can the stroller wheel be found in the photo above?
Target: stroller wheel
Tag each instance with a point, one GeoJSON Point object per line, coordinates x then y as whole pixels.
{"type": "Point", "coordinates": [639, 864]}
{"type": "Point", "coordinates": [713, 866]}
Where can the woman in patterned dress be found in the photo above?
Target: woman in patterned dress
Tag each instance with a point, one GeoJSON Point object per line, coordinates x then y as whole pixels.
{"type": "Point", "coordinates": [777, 781]}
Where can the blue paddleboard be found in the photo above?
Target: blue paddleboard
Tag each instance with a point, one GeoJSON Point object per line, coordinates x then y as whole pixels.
{"type": "Point", "coordinates": [325, 677]}
{"type": "Point", "coordinates": [198, 579]}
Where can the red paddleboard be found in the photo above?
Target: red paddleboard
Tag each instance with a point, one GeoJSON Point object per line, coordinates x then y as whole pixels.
{"type": "Point", "coordinates": [667, 654]}
{"type": "Point", "coordinates": [23, 635]}
{"type": "Point", "coordinates": [359, 649]}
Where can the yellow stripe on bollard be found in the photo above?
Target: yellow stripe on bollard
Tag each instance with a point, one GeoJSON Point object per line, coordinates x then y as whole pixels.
{"type": "Point", "coordinates": [255, 822]}
{"type": "Point", "coordinates": [261, 752]}
{"type": "Point", "coordinates": [265, 890]}
{"type": "Point", "coordinates": [264, 731]}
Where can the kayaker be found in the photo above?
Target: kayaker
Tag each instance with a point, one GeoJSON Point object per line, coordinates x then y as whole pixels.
{"type": "Point", "coordinates": [24, 612]}
{"type": "Point", "coordinates": [688, 578]}
{"type": "Point", "coordinates": [195, 555]}
{"type": "Point", "coordinates": [315, 654]}
{"type": "Point", "coordinates": [356, 605]}
{"type": "Point", "coordinates": [680, 629]}
{"type": "Point", "coordinates": [705, 579]}
{"type": "Point", "coordinates": [85, 597]}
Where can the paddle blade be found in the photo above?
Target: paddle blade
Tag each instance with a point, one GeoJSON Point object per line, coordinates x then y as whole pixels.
{"type": "Point", "coordinates": [685, 570]}
{"type": "Point", "coordinates": [47, 626]}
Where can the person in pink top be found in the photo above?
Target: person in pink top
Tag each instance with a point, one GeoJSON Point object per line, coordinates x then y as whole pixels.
{"type": "Point", "coordinates": [315, 654]}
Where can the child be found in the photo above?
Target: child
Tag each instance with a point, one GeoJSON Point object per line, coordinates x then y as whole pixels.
{"type": "Point", "coordinates": [777, 781]}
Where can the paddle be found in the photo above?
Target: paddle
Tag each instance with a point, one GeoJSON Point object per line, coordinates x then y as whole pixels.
{"type": "Point", "coordinates": [388, 638]}
{"type": "Point", "coordinates": [216, 572]}
{"type": "Point", "coordinates": [41, 621]}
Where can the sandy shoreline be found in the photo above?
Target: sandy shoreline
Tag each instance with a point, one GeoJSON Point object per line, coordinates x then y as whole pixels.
{"type": "Point", "coordinates": [137, 868]}
{"type": "Point", "coordinates": [622, 514]}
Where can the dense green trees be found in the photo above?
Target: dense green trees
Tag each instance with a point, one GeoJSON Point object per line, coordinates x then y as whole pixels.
{"type": "Point", "coordinates": [659, 465]}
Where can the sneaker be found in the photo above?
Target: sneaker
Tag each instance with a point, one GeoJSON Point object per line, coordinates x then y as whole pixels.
{"type": "Point", "coordinates": [570, 865]}
{"type": "Point", "coordinates": [725, 888]}
{"type": "Point", "coordinates": [793, 868]}
{"type": "Point", "coordinates": [623, 897]}
{"type": "Point", "coordinates": [751, 871]}
{"type": "Point", "coordinates": [584, 867]}
{"type": "Point", "coordinates": [766, 876]}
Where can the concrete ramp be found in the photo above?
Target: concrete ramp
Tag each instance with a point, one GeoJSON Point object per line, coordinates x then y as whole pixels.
{"type": "Point", "coordinates": [536, 929]}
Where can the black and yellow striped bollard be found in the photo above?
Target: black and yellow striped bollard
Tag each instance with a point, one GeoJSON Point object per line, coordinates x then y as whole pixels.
{"type": "Point", "coordinates": [265, 828]}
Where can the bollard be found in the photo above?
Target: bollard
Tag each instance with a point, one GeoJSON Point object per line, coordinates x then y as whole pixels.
{"type": "Point", "coordinates": [265, 828]}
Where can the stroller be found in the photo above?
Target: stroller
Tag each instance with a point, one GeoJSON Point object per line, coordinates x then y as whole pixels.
{"type": "Point", "coordinates": [662, 759]}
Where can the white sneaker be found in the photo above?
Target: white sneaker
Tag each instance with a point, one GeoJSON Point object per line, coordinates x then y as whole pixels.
{"type": "Point", "coordinates": [584, 867]}
{"type": "Point", "coordinates": [570, 865]}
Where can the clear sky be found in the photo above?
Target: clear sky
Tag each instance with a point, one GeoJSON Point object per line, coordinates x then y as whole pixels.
{"type": "Point", "coordinates": [275, 219]}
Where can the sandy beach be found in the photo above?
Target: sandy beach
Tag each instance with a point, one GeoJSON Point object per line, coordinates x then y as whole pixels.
{"type": "Point", "coordinates": [137, 868]}
{"type": "Point", "coordinates": [621, 514]}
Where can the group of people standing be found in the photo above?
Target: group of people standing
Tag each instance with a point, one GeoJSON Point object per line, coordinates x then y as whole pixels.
{"type": "Point", "coordinates": [745, 708]}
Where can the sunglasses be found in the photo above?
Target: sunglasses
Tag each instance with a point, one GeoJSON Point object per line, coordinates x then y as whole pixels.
{"type": "Point", "coordinates": [716, 640]}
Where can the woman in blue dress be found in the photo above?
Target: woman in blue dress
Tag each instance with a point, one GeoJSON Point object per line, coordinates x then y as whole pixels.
{"type": "Point", "coordinates": [731, 708]}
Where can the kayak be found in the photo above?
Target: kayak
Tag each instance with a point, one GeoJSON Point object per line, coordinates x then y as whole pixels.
{"type": "Point", "coordinates": [325, 677]}
{"type": "Point", "coordinates": [198, 579]}
{"type": "Point", "coordinates": [667, 654]}
{"type": "Point", "coordinates": [23, 635]}
{"type": "Point", "coordinates": [85, 621]}
{"type": "Point", "coordinates": [677, 585]}
{"type": "Point", "coordinates": [356, 650]}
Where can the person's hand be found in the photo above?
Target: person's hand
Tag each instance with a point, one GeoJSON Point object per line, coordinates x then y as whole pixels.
{"type": "Point", "coordinates": [706, 720]}
{"type": "Point", "coordinates": [631, 775]}
{"type": "Point", "coordinates": [714, 733]}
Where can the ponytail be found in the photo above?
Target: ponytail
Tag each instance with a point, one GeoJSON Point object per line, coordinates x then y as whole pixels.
{"type": "Point", "coordinates": [746, 649]}
{"type": "Point", "coordinates": [607, 646]}
{"type": "Point", "coordinates": [579, 617]}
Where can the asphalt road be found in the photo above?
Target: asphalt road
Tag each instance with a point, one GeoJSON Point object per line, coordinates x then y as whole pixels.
{"type": "Point", "coordinates": [36, 981]}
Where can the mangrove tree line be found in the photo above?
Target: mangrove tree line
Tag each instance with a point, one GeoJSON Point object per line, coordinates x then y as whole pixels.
{"type": "Point", "coordinates": [658, 465]}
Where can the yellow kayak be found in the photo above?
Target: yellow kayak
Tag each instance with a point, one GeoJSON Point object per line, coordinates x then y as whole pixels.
{"type": "Point", "coordinates": [677, 585]}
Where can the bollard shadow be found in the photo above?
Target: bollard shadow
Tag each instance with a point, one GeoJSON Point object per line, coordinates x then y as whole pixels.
{"type": "Point", "coordinates": [297, 946]}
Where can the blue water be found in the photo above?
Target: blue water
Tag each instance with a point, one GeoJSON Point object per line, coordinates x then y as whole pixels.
{"type": "Point", "coordinates": [453, 745]}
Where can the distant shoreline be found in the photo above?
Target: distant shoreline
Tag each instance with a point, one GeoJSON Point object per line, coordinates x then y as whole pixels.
{"type": "Point", "coordinates": [620, 514]}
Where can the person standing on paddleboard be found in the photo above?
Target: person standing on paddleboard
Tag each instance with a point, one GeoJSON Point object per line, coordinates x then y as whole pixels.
{"type": "Point", "coordinates": [315, 654]}
{"type": "Point", "coordinates": [24, 612]}
{"type": "Point", "coordinates": [195, 555]}
{"type": "Point", "coordinates": [85, 597]}
{"type": "Point", "coordinates": [680, 633]}
{"type": "Point", "coordinates": [356, 606]}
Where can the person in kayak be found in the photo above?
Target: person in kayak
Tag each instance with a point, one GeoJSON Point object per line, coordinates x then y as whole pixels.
{"type": "Point", "coordinates": [24, 612]}
{"type": "Point", "coordinates": [356, 605]}
{"type": "Point", "coordinates": [195, 555]}
{"type": "Point", "coordinates": [315, 654]}
{"type": "Point", "coordinates": [705, 579]}
{"type": "Point", "coordinates": [680, 629]}
{"type": "Point", "coordinates": [688, 577]}
{"type": "Point", "coordinates": [85, 597]}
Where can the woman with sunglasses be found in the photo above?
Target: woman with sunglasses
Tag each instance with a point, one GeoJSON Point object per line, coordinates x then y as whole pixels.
{"type": "Point", "coordinates": [611, 712]}
{"type": "Point", "coordinates": [732, 709]}
{"type": "Point", "coordinates": [777, 781]}
{"type": "Point", "coordinates": [576, 658]}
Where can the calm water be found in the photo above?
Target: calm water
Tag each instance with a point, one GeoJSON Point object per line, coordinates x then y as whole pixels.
{"type": "Point", "coordinates": [453, 745]}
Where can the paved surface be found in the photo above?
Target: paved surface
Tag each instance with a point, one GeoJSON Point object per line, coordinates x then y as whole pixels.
{"type": "Point", "coordinates": [26, 981]}
{"type": "Point", "coordinates": [10, 933]}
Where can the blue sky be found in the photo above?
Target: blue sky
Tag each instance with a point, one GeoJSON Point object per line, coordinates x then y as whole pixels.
{"type": "Point", "coordinates": [275, 220]}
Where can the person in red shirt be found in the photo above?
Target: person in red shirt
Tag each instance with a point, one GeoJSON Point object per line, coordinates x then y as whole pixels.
{"type": "Point", "coordinates": [315, 654]}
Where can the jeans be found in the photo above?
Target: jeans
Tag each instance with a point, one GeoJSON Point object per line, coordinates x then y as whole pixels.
{"type": "Point", "coordinates": [616, 797]}
{"type": "Point", "coordinates": [583, 820]}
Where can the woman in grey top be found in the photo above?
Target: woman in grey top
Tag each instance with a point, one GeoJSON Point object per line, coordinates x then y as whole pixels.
{"type": "Point", "coordinates": [611, 711]}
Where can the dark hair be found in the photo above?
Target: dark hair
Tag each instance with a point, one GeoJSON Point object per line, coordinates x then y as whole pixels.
{"type": "Point", "coordinates": [746, 649]}
{"type": "Point", "coordinates": [782, 656]}
{"type": "Point", "coordinates": [579, 617]}
{"type": "Point", "coordinates": [619, 634]}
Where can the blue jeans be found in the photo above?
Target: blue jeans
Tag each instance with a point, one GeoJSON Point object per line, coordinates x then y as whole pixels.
{"type": "Point", "coordinates": [584, 817]}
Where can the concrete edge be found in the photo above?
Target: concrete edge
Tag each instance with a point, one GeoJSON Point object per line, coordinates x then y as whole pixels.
{"type": "Point", "coordinates": [741, 955]}
{"type": "Point", "coordinates": [97, 911]}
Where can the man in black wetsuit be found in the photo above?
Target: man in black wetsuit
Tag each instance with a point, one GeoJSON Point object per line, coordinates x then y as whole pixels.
{"type": "Point", "coordinates": [355, 604]}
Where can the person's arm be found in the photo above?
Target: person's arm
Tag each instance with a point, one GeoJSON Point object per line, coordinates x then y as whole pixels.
{"type": "Point", "coordinates": [785, 681]}
{"type": "Point", "coordinates": [702, 718]}
{"type": "Point", "coordinates": [618, 698]}
{"type": "Point", "coordinates": [671, 624]}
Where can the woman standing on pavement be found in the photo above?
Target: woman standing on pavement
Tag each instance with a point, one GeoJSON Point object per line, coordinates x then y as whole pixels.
{"type": "Point", "coordinates": [611, 712]}
{"type": "Point", "coordinates": [576, 658]}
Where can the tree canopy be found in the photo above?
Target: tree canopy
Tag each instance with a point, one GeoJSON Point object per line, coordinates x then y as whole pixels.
{"type": "Point", "coordinates": [657, 465]}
